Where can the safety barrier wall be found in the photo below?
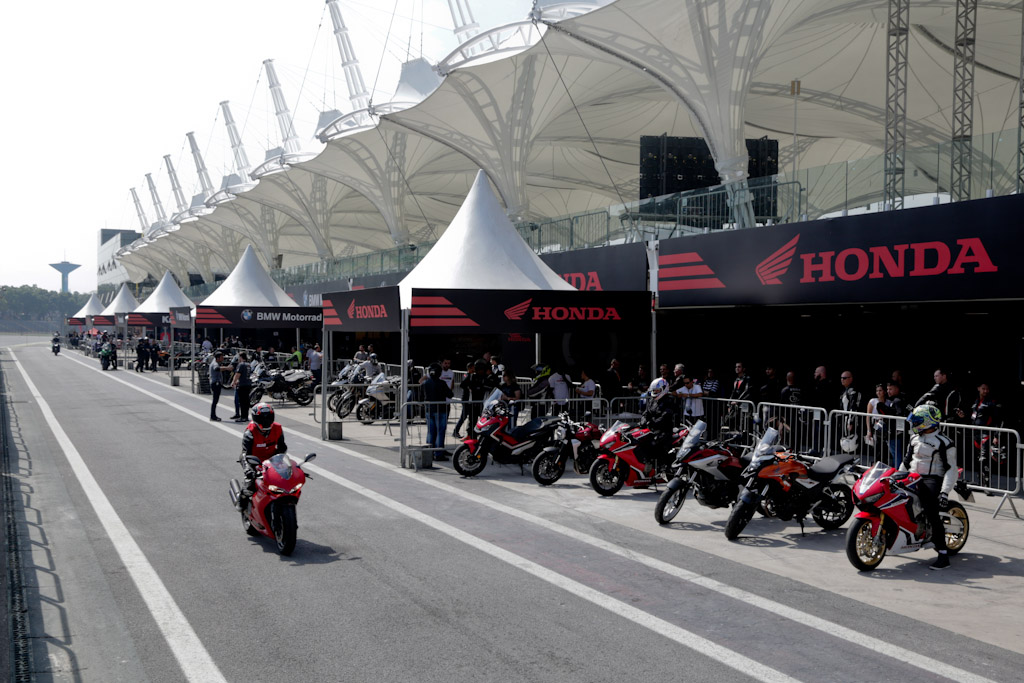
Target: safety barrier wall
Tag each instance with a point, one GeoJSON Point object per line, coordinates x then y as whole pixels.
{"type": "Point", "coordinates": [801, 428]}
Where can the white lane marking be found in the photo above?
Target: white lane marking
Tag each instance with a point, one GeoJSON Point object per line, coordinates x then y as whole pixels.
{"type": "Point", "coordinates": [195, 661]}
{"type": "Point", "coordinates": [806, 619]}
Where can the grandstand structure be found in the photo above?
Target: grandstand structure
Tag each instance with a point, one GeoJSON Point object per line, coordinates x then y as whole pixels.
{"type": "Point", "coordinates": [871, 101]}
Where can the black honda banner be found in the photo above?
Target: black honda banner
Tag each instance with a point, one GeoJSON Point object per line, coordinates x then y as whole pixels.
{"type": "Point", "coordinates": [620, 268]}
{"type": "Point", "coordinates": [181, 317]}
{"type": "Point", "coordinates": [149, 319]}
{"type": "Point", "coordinates": [363, 310]}
{"type": "Point", "coordinates": [450, 311]}
{"type": "Point", "coordinates": [964, 250]}
{"type": "Point", "coordinates": [258, 317]}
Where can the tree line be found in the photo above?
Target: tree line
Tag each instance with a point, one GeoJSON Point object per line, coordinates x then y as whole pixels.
{"type": "Point", "coordinates": [29, 302]}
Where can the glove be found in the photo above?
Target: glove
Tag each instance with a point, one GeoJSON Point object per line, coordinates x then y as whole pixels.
{"type": "Point", "coordinates": [943, 501]}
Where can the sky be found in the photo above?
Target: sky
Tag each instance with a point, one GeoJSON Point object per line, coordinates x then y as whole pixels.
{"type": "Point", "coordinates": [95, 94]}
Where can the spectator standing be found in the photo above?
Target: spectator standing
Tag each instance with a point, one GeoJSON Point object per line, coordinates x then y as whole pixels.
{"type": "Point", "coordinates": [559, 382]}
{"type": "Point", "coordinates": [316, 360]}
{"type": "Point", "coordinates": [587, 389]}
{"type": "Point", "coordinates": [678, 375]}
{"type": "Point", "coordinates": [612, 383]}
{"type": "Point", "coordinates": [896, 406]}
{"type": "Point", "coordinates": [712, 387]}
{"type": "Point", "coordinates": [448, 377]}
{"type": "Point", "coordinates": [217, 382]}
{"type": "Point", "coordinates": [640, 381]}
{"type": "Point", "coordinates": [242, 382]}
{"type": "Point", "coordinates": [690, 403]}
{"type": "Point", "coordinates": [207, 346]}
{"type": "Point", "coordinates": [771, 388]}
{"type": "Point", "coordinates": [741, 386]}
{"type": "Point", "coordinates": [874, 426]}
{"type": "Point", "coordinates": [665, 373]}
{"type": "Point", "coordinates": [850, 399]}
{"type": "Point", "coordinates": [490, 380]}
{"type": "Point", "coordinates": [466, 386]}
{"type": "Point", "coordinates": [791, 393]}
{"type": "Point", "coordinates": [985, 411]}
{"type": "Point", "coordinates": [510, 388]}
{"type": "Point", "coordinates": [141, 357]}
{"type": "Point", "coordinates": [361, 354]}
{"type": "Point", "coordinates": [944, 396]}
{"type": "Point", "coordinates": [436, 393]}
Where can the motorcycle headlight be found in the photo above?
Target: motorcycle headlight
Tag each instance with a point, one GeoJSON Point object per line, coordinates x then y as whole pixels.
{"type": "Point", "coordinates": [871, 499]}
{"type": "Point", "coordinates": [560, 434]}
{"type": "Point", "coordinates": [275, 489]}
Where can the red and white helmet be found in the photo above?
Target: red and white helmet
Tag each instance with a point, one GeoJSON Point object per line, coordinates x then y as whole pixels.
{"type": "Point", "coordinates": [263, 417]}
{"type": "Point", "coordinates": [657, 389]}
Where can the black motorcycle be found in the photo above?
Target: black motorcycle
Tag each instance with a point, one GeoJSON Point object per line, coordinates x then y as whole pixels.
{"type": "Point", "coordinates": [781, 484]}
{"type": "Point", "coordinates": [576, 440]}
{"type": "Point", "coordinates": [348, 390]}
{"type": "Point", "coordinates": [296, 385]}
{"type": "Point", "coordinates": [55, 347]}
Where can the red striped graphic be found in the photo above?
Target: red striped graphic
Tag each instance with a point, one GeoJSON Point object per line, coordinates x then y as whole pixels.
{"type": "Point", "coordinates": [442, 322]}
{"type": "Point", "coordinates": [103, 320]}
{"type": "Point", "coordinates": [331, 317]}
{"type": "Point", "coordinates": [685, 276]}
{"type": "Point", "coordinates": [437, 311]}
{"type": "Point", "coordinates": [210, 316]}
{"type": "Point", "coordinates": [135, 319]}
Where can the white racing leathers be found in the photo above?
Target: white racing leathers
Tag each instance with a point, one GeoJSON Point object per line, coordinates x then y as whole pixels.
{"type": "Point", "coordinates": [933, 455]}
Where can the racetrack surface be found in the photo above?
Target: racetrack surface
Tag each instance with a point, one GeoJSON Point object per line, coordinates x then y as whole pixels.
{"type": "Point", "coordinates": [137, 568]}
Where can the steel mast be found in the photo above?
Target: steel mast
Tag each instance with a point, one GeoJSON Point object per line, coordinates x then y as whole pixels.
{"type": "Point", "coordinates": [357, 94]}
{"type": "Point", "coordinates": [179, 196]}
{"type": "Point", "coordinates": [241, 160]}
{"type": "Point", "coordinates": [284, 117]}
{"type": "Point", "coordinates": [204, 177]}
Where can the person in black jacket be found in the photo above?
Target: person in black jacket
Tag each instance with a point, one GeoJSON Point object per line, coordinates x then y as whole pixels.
{"type": "Point", "coordinates": [895, 404]}
{"type": "Point", "coordinates": [468, 411]}
{"type": "Point", "coordinates": [944, 396]}
{"type": "Point", "coordinates": [660, 417]}
{"type": "Point", "coordinates": [436, 393]}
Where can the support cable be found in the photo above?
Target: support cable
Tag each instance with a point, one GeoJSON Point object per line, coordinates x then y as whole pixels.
{"type": "Point", "coordinates": [387, 39]}
{"type": "Point", "coordinates": [312, 50]}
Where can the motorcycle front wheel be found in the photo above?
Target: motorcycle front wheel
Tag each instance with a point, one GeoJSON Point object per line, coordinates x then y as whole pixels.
{"type": "Point", "coordinates": [832, 514]}
{"type": "Point", "coordinates": [285, 527]}
{"type": "Point", "coordinates": [861, 549]}
{"type": "Point", "coordinates": [740, 516]}
{"type": "Point", "coordinates": [669, 504]}
{"type": "Point", "coordinates": [606, 479]}
{"type": "Point", "coordinates": [547, 469]}
{"type": "Point", "coordinates": [254, 397]}
{"type": "Point", "coordinates": [345, 406]}
{"type": "Point", "coordinates": [303, 396]}
{"type": "Point", "coordinates": [364, 413]}
{"type": "Point", "coordinates": [469, 464]}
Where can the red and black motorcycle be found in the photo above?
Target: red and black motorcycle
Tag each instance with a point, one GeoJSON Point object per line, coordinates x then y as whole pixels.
{"type": "Point", "coordinates": [891, 518]}
{"type": "Point", "coordinates": [627, 457]}
{"type": "Point", "coordinates": [711, 468]}
{"type": "Point", "coordinates": [781, 484]}
{"type": "Point", "coordinates": [271, 511]}
{"type": "Point", "coordinates": [496, 435]}
{"type": "Point", "coordinates": [576, 440]}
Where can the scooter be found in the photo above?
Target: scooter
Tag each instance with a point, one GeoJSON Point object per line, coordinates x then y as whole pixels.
{"type": "Point", "coordinates": [711, 468]}
{"type": "Point", "coordinates": [576, 440]}
{"type": "Point", "coordinates": [496, 435]}
{"type": "Point", "coordinates": [55, 347]}
{"type": "Point", "coordinates": [271, 510]}
{"type": "Point", "coordinates": [619, 464]}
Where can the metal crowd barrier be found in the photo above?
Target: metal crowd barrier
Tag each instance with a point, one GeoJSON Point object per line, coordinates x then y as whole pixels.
{"type": "Point", "coordinates": [872, 437]}
{"type": "Point", "coordinates": [726, 416]}
{"type": "Point", "coordinates": [801, 428]}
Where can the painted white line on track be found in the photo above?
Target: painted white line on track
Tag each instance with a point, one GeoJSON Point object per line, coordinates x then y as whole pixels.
{"type": "Point", "coordinates": [195, 661]}
{"type": "Point", "coordinates": [904, 655]}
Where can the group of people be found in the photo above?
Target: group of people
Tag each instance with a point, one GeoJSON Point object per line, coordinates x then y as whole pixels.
{"type": "Point", "coordinates": [147, 354]}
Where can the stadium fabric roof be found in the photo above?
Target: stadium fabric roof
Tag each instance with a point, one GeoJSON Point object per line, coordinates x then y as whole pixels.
{"type": "Point", "coordinates": [480, 250]}
{"type": "Point", "coordinates": [556, 127]}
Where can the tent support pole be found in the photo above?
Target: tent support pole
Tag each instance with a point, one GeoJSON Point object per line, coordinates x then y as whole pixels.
{"type": "Point", "coordinates": [325, 364]}
{"type": "Point", "coordinates": [536, 348]}
{"type": "Point", "coordinates": [405, 460]}
{"type": "Point", "coordinates": [192, 345]}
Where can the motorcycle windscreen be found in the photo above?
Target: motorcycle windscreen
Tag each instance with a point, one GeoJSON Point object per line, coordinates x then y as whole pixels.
{"type": "Point", "coordinates": [282, 465]}
{"type": "Point", "coordinates": [694, 436]}
{"type": "Point", "coordinates": [869, 478]}
{"type": "Point", "coordinates": [493, 400]}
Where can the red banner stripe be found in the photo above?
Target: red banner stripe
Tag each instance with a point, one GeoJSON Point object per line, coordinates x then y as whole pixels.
{"type": "Point", "coordinates": [436, 311]}
{"type": "Point", "coordinates": [332, 321]}
{"type": "Point", "coordinates": [701, 283]}
{"type": "Point", "coordinates": [684, 271]}
{"type": "Point", "coordinates": [442, 322]}
{"type": "Point", "coordinates": [686, 257]}
{"type": "Point", "coordinates": [430, 301]}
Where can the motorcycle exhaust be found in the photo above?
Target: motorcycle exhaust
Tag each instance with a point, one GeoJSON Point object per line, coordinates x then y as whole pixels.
{"type": "Point", "coordinates": [234, 491]}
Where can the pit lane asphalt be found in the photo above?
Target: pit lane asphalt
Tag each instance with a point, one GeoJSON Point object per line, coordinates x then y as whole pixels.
{"type": "Point", "coordinates": [373, 594]}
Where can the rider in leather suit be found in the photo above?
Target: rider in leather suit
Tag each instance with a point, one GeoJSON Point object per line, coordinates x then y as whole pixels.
{"type": "Point", "coordinates": [660, 417]}
{"type": "Point", "coordinates": [262, 438]}
{"type": "Point", "coordinates": [933, 456]}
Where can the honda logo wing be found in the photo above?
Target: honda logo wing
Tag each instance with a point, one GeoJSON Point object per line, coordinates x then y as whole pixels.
{"type": "Point", "coordinates": [775, 266]}
{"type": "Point", "coordinates": [518, 311]}
{"type": "Point", "coordinates": [352, 309]}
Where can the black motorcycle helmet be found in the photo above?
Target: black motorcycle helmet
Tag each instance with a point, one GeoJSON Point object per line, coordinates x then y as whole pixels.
{"type": "Point", "coordinates": [263, 417]}
{"type": "Point", "coordinates": [434, 370]}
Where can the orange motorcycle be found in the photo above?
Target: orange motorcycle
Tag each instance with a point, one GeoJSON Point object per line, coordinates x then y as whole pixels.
{"type": "Point", "coordinates": [783, 485]}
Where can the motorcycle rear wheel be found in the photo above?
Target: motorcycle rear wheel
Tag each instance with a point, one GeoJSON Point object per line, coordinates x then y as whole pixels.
{"type": "Point", "coordinates": [836, 514]}
{"type": "Point", "coordinates": [364, 413]}
{"type": "Point", "coordinates": [469, 464]}
{"type": "Point", "coordinates": [345, 406]}
{"type": "Point", "coordinates": [956, 539]}
{"type": "Point", "coordinates": [604, 479]}
{"type": "Point", "coordinates": [546, 469]}
{"type": "Point", "coordinates": [669, 504]}
{"type": "Point", "coordinates": [740, 516]}
{"type": "Point", "coordinates": [285, 527]}
{"type": "Point", "coordinates": [303, 396]}
{"type": "Point", "coordinates": [861, 550]}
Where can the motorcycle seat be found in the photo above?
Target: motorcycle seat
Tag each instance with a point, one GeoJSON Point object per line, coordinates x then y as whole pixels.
{"type": "Point", "coordinates": [535, 425]}
{"type": "Point", "coordinates": [294, 375]}
{"type": "Point", "coordinates": [826, 468]}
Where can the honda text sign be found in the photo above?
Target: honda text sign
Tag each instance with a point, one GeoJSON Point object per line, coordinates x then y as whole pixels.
{"type": "Point", "coordinates": [363, 310]}
{"type": "Point", "coordinates": [955, 251]}
{"type": "Point", "coordinates": [506, 311]}
{"type": "Point", "coordinates": [258, 317]}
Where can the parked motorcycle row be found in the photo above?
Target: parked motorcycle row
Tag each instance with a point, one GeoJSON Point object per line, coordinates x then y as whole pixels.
{"type": "Point", "coordinates": [294, 385]}
{"type": "Point", "coordinates": [767, 479]}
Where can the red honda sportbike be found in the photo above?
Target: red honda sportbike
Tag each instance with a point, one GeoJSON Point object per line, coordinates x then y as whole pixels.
{"type": "Point", "coordinates": [494, 434]}
{"type": "Point", "coordinates": [619, 463]}
{"type": "Point", "coordinates": [891, 518]}
{"type": "Point", "coordinates": [271, 511]}
{"type": "Point", "coordinates": [711, 468]}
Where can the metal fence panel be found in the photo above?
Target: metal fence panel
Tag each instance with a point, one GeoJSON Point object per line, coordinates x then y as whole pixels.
{"type": "Point", "coordinates": [801, 428]}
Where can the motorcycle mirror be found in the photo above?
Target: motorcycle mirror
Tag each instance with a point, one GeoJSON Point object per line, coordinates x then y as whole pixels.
{"type": "Point", "coordinates": [309, 456]}
{"type": "Point", "coordinates": [253, 460]}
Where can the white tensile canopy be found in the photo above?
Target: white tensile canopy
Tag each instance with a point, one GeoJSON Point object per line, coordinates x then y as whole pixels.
{"type": "Point", "coordinates": [556, 126]}
{"type": "Point", "coordinates": [481, 249]}
{"type": "Point", "coordinates": [249, 285]}
{"type": "Point", "coordinates": [92, 307]}
{"type": "Point", "coordinates": [166, 296]}
{"type": "Point", "coordinates": [124, 302]}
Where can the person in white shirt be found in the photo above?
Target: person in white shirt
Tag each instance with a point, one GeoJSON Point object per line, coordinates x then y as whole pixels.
{"type": "Point", "coordinates": [690, 402]}
{"type": "Point", "coordinates": [559, 383]}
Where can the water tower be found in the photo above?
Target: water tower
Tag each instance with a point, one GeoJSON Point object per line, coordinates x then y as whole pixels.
{"type": "Point", "coordinates": [65, 268]}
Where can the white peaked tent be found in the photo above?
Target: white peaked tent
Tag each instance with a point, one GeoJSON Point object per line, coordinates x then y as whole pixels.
{"type": "Point", "coordinates": [249, 285]}
{"type": "Point", "coordinates": [92, 307]}
{"type": "Point", "coordinates": [166, 295]}
{"type": "Point", "coordinates": [124, 302]}
{"type": "Point", "coordinates": [480, 249]}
